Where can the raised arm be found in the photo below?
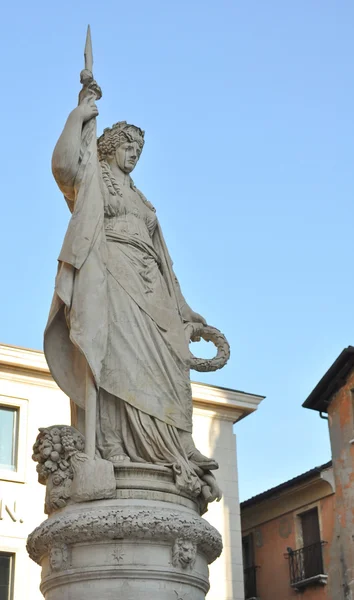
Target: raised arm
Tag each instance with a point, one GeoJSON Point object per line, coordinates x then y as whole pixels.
{"type": "Point", "coordinates": [66, 155]}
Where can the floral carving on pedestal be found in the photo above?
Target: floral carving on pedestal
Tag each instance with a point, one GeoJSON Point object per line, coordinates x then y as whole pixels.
{"type": "Point", "coordinates": [96, 524]}
{"type": "Point", "coordinates": [118, 555]}
{"type": "Point", "coordinates": [184, 553]}
{"type": "Point", "coordinates": [53, 450]}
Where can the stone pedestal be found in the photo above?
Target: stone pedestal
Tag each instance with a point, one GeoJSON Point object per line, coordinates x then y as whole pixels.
{"type": "Point", "coordinates": [147, 542]}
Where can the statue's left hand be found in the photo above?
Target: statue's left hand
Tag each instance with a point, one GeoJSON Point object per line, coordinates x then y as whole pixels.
{"type": "Point", "coordinates": [189, 316]}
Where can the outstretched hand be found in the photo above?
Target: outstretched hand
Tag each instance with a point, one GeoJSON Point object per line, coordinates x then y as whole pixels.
{"type": "Point", "coordinates": [189, 316]}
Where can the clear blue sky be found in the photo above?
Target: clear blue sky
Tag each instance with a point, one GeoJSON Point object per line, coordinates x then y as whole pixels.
{"type": "Point", "coordinates": [248, 108]}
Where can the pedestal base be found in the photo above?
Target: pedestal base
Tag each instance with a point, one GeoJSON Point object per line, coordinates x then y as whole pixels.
{"type": "Point", "coordinates": [151, 544]}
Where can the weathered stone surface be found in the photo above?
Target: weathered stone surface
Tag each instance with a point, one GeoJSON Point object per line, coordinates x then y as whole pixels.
{"type": "Point", "coordinates": [120, 519]}
{"type": "Point", "coordinates": [68, 473]}
{"type": "Point", "coordinates": [136, 548]}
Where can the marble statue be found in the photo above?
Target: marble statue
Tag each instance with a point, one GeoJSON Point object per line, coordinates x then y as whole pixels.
{"type": "Point", "coordinates": [119, 326]}
{"type": "Point", "coordinates": [125, 484]}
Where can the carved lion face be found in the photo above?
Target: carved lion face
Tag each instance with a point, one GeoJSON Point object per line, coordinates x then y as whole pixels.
{"type": "Point", "coordinates": [184, 553]}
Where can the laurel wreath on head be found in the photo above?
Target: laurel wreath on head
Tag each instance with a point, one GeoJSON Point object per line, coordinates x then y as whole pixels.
{"type": "Point", "coordinates": [209, 334]}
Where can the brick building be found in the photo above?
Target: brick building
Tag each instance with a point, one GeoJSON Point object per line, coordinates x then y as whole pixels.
{"type": "Point", "coordinates": [287, 533]}
{"type": "Point", "coordinates": [299, 536]}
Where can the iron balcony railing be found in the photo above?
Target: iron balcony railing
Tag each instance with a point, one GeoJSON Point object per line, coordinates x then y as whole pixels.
{"type": "Point", "coordinates": [250, 579]}
{"type": "Point", "coordinates": [305, 563]}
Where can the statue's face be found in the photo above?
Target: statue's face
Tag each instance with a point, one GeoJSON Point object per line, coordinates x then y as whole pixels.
{"type": "Point", "coordinates": [127, 155]}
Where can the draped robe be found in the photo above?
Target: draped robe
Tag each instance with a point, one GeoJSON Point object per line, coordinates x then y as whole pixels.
{"type": "Point", "coordinates": [116, 308]}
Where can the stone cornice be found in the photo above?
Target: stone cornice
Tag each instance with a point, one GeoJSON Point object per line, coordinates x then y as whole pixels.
{"type": "Point", "coordinates": [23, 358]}
{"type": "Point", "coordinates": [228, 404]}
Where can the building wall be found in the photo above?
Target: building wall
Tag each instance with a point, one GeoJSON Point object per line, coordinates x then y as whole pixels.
{"type": "Point", "coordinates": [40, 403]}
{"type": "Point", "coordinates": [213, 435]}
{"type": "Point", "coordinates": [341, 427]}
{"type": "Point", "coordinates": [276, 526]}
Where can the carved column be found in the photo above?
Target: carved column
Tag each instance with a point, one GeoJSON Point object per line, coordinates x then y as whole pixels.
{"type": "Point", "coordinates": [148, 541]}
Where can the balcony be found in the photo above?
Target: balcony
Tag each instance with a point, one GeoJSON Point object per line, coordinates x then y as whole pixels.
{"type": "Point", "coordinates": [250, 579]}
{"type": "Point", "coordinates": [306, 566]}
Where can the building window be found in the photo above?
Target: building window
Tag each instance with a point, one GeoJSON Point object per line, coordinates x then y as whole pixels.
{"type": "Point", "coordinates": [306, 563]}
{"type": "Point", "coordinates": [249, 568]}
{"type": "Point", "coordinates": [13, 438]}
{"type": "Point", "coordinates": [8, 438]}
{"type": "Point", "coordinates": [6, 575]}
{"type": "Point", "coordinates": [310, 527]}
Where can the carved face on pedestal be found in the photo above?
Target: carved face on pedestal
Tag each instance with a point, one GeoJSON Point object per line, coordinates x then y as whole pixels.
{"type": "Point", "coordinates": [58, 557]}
{"type": "Point", "coordinates": [184, 553]}
{"type": "Point", "coordinates": [127, 155]}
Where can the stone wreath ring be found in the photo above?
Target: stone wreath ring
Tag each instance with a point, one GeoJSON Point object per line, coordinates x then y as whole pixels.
{"type": "Point", "coordinates": [196, 332]}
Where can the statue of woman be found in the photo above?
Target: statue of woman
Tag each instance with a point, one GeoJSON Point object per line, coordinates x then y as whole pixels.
{"type": "Point", "coordinates": [118, 311]}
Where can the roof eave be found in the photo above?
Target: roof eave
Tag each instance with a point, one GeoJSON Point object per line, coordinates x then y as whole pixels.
{"type": "Point", "coordinates": [286, 485]}
{"type": "Point", "coordinates": [331, 382]}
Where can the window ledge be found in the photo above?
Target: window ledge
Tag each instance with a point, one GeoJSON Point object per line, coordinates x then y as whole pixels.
{"type": "Point", "coordinates": [320, 579]}
{"type": "Point", "coordinates": [14, 476]}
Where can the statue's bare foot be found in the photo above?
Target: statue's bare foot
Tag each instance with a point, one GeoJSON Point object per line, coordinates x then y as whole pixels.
{"type": "Point", "coordinates": [118, 459]}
